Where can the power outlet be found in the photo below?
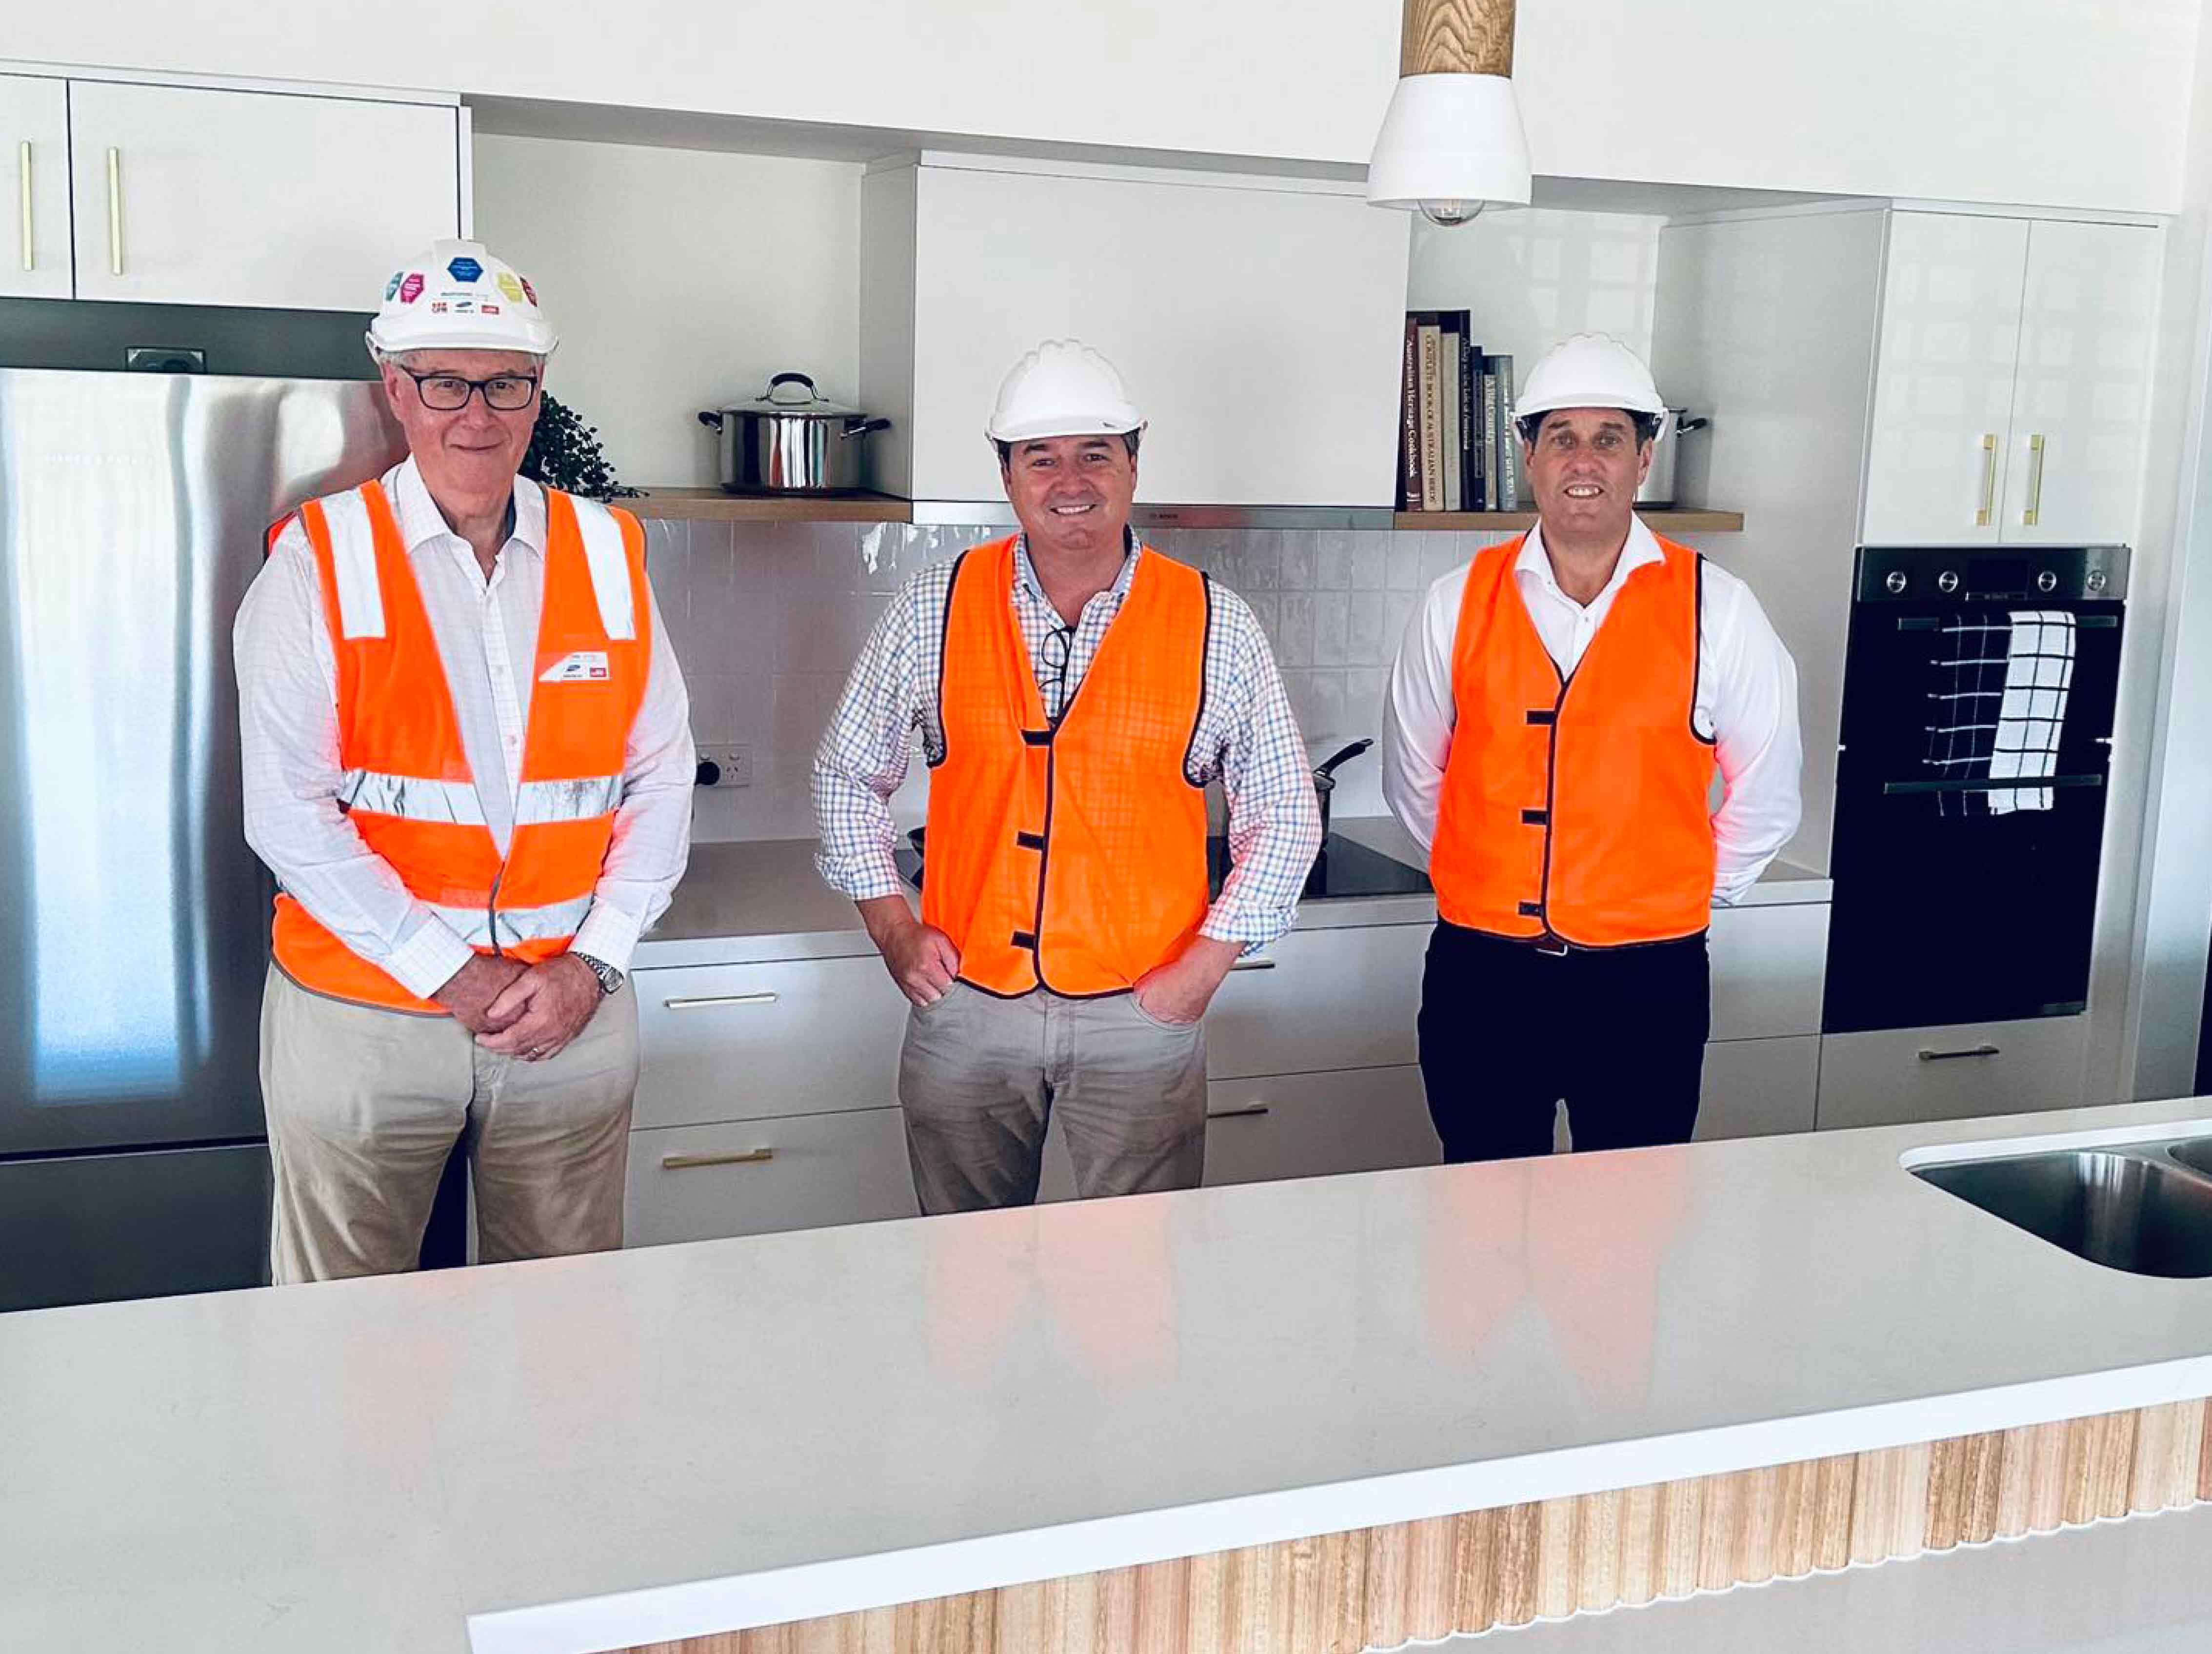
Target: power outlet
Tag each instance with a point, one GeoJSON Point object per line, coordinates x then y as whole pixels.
{"type": "Point", "coordinates": [733, 766]}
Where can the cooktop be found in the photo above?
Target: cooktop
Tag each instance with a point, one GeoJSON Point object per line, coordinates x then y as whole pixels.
{"type": "Point", "coordinates": [1344, 868]}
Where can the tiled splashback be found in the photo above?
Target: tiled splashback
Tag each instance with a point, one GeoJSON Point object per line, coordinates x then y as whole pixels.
{"type": "Point", "coordinates": [767, 620]}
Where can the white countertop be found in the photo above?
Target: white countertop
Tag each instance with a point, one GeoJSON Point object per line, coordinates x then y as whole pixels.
{"type": "Point", "coordinates": [745, 900]}
{"type": "Point", "coordinates": [587, 1452]}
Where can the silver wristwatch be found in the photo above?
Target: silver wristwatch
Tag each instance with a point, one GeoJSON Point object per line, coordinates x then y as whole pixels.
{"type": "Point", "coordinates": [609, 978]}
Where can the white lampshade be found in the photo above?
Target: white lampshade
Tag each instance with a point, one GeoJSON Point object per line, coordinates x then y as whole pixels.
{"type": "Point", "coordinates": [1450, 145]}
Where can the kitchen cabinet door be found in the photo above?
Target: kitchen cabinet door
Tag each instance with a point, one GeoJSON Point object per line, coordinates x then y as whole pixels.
{"type": "Point", "coordinates": [1943, 380]}
{"type": "Point", "coordinates": [1758, 1087]}
{"type": "Point", "coordinates": [34, 244]}
{"type": "Point", "coordinates": [1768, 964]}
{"type": "Point", "coordinates": [1896, 1076]}
{"type": "Point", "coordinates": [1344, 998]}
{"type": "Point", "coordinates": [2081, 396]}
{"type": "Point", "coordinates": [189, 195]}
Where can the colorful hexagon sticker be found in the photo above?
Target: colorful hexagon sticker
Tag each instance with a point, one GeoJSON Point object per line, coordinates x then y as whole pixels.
{"type": "Point", "coordinates": [465, 269]}
{"type": "Point", "coordinates": [510, 286]}
{"type": "Point", "coordinates": [391, 287]}
{"type": "Point", "coordinates": [528, 291]}
{"type": "Point", "coordinates": [411, 289]}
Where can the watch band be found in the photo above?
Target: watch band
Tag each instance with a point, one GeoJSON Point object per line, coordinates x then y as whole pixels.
{"type": "Point", "coordinates": [609, 978]}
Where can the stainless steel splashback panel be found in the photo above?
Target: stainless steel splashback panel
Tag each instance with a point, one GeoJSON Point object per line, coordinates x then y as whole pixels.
{"type": "Point", "coordinates": [133, 918]}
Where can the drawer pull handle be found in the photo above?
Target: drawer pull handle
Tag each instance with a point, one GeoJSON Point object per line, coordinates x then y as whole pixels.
{"type": "Point", "coordinates": [2034, 514]}
{"type": "Point", "coordinates": [1947, 1056]}
{"type": "Point", "coordinates": [734, 1158]}
{"type": "Point", "coordinates": [701, 1001]}
{"type": "Point", "coordinates": [23, 189]}
{"type": "Point", "coordinates": [115, 212]}
{"type": "Point", "coordinates": [1989, 480]}
{"type": "Point", "coordinates": [1242, 1111]}
{"type": "Point", "coordinates": [1259, 962]}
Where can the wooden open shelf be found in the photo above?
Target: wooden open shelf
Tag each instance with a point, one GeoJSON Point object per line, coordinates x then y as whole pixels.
{"type": "Point", "coordinates": [1683, 521]}
{"type": "Point", "coordinates": [712, 505]}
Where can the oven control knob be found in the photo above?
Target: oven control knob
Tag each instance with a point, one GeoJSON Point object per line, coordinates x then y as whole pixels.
{"type": "Point", "coordinates": [2097, 581]}
{"type": "Point", "coordinates": [1895, 581]}
{"type": "Point", "coordinates": [1948, 581]}
{"type": "Point", "coordinates": [2046, 581]}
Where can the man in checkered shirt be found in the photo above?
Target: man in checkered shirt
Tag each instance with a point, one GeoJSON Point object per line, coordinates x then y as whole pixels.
{"type": "Point", "coordinates": [1075, 691]}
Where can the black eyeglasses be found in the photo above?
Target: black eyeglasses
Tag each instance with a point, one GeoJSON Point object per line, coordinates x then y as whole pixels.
{"type": "Point", "coordinates": [450, 392]}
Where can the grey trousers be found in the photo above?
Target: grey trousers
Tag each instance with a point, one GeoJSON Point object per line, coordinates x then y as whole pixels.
{"type": "Point", "coordinates": [981, 1077]}
{"type": "Point", "coordinates": [364, 1105]}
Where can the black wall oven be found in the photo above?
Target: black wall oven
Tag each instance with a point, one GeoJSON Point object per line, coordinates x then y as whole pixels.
{"type": "Point", "coordinates": [1978, 688]}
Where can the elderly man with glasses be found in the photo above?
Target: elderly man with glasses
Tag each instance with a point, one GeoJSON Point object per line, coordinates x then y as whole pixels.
{"type": "Point", "coordinates": [467, 759]}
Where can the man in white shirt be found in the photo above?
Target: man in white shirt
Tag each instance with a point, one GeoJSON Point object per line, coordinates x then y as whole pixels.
{"type": "Point", "coordinates": [1557, 714]}
{"type": "Point", "coordinates": [467, 759]}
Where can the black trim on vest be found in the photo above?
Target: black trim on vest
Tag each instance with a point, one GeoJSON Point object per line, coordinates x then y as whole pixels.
{"type": "Point", "coordinates": [944, 637]}
{"type": "Point", "coordinates": [1535, 818]}
{"type": "Point", "coordinates": [1205, 653]}
{"type": "Point", "coordinates": [1025, 939]}
{"type": "Point", "coordinates": [1029, 841]}
{"type": "Point", "coordinates": [1038, 737]}
{"type": "Point", "coordinates": [1539, 716]}
{"type": "Point", "coordinates": [1697, 657]}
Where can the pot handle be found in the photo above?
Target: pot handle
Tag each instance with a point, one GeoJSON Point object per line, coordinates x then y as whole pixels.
{"type": "Point", "coordinates": [812, 395]}
{"type": "Point", "coordinates": [1691, 425]}
{"type": "Point", "coordinates": [712, 422]}
{"type": "Point", "coordinates": [862, 427]}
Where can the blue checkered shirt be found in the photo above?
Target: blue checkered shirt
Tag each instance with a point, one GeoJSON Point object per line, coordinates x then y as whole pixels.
{"type": "Point", "coordinates": [1247, 736]}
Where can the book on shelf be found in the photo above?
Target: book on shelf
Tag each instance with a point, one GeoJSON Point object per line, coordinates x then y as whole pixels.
{"type": "Point", "coordinates": [1409, 434]}
{"type": "Point", "coordinates": [1472, 468]}
{"type": "Point", "coordinates": [1449, 372]}
{"type": "Point", "coordinates": [1509, 440]}
{"type": "Point", "coordinates": [1432, 418]}
{"type": "Point", "coordinates": [1437, 461]}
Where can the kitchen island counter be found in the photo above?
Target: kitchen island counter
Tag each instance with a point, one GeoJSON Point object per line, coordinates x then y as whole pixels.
{"type": "Point", "coordinates": [600, 1451]}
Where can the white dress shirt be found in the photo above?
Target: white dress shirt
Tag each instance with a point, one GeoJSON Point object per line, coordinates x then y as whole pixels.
{"type": "Point", "coordinates": [487, 637]}
{"type": "Point", "coordinates": [1745, 701]}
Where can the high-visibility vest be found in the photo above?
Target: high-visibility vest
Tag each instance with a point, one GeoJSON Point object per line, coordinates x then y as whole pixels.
{"type": "Point", "coordinates": [1070, 856]}
{"type": "Point", "coordinates": [407, 787]}
{"type": "Point", "coordinates": [1574, 809]}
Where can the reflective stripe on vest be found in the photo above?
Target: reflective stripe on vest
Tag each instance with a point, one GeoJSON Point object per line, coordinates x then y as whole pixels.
{"type": "Point", "coordinates": [1073, 856]}
{"type": "Point", "coordinates": [1577, 809]}
{"type": "Point", "coordinates": [407, 789]}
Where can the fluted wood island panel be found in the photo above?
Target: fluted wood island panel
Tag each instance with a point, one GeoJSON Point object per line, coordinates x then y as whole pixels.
{"type": "Point", "coordinates": [1376, 1588]}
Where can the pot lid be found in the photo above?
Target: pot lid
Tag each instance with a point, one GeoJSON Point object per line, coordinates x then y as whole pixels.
{"type": "Point", "coordinates": [793, 394]}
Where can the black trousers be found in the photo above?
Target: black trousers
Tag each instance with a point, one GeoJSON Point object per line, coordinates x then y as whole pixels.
{"type": "Point", "coordinates": [1507, 1031]}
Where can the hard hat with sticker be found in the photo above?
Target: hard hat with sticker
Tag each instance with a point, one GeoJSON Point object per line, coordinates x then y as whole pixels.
{"type": "Point", "coordinates": [465, 269]}
{"type": "Point", "coordinates": [511, 284]}
{"type": "Point", "coordinates": [411, 289]}
{"type": "Point", "coordinates": [471, 300]}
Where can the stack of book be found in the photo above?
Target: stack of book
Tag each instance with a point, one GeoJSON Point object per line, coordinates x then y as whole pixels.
{"type": "Point", "coordinates": [1456, 449]}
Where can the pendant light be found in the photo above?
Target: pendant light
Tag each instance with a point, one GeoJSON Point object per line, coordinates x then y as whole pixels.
{"type": "Point", "coordinates": [1452, 142]}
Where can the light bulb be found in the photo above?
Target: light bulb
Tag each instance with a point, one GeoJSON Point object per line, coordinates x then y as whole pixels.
{"type": "Point", "coordinates": [1447, 214]}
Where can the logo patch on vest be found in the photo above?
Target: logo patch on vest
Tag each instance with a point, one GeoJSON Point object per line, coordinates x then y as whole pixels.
{"type": "Point", "coordinates": [583, 666]}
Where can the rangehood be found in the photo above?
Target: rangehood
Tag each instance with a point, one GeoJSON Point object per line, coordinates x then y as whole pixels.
{"type": "Point", "coordinates": [1258, 320]}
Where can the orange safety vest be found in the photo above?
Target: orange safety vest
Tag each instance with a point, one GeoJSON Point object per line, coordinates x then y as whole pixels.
{"type": "Point", "coordinates": [1071, 857]}
{"type": "Point", "coordinates": [407, 787]}
{"type": "Point", "coordinates": [1576, 809]}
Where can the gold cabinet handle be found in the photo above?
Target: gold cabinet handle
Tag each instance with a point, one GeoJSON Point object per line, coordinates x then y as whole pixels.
{"type": "Point", "coordinates": [734, 1158]}
{"type": "Point", "coordinates": [114, 212]}
{"type": "Point", "coordinates": [23, 192]}
{"type": "Point", "coordinates": [2034, 514]}
{"type": "Point", "coordinates": [1989, 480]}
{"type": "Point", "coordinates": [1948, 1056]}
{"type": "Point", "coordinates": [1257, 963]}
{"type": "Point", "coordinates": [1242, 1111]}
{"type": "Point", "coordinates": [701, 1001]}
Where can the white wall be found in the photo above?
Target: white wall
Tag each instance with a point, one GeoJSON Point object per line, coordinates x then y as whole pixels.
{"type": "Point", "coordinates": [680, 279]}
{"type": "Point", "coordinates": [2057, 102]}
{"type": "Point", "coordinates": [1531, 277]}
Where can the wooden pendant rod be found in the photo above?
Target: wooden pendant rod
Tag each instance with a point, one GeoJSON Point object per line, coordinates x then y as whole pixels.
{"type": "Point", "coordinates": [1456, 37]}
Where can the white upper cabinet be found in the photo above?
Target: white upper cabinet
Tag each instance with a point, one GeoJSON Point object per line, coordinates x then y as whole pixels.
{"type": "Point", "coordinates": [1944, 378]}
{"type": "Point", "coordinates": [2012, 382]}
{"type": "Point", "coordinates": [192, 194]}
{"type": "Point", "coordinates": [2082, 392]}
{"type": "Point", "coordinates": [34, 242]}
{"type": "Point", "coordinates": [1257, 320]}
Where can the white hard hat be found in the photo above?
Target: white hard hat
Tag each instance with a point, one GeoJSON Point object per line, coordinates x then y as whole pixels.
{"type": "Point", "coordinates": [455, 295]}
{"type": "Point", "coordinates": [1062, 388]}
{"type": "Point", "coordinates": [1589, 370]}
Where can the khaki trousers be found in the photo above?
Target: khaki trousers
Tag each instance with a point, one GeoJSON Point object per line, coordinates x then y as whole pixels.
{"type": "Point", "coordinates": [981, 1077]}
{"type": "Point", "coordinates": [364, 1105]}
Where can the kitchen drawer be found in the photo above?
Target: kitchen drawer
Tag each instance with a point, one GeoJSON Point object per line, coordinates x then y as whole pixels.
{"type": "Point", "coordinates": [1895, 1075]}
{"type": "Point", "coordinates": [1320, 999]}
{"type": "Point", "coordinates": [803, 1173]}
{"type": "Point", "coordinates": [1317, 1124]}
{"type": "Point", "coordinates": [1759, 1087]}
{"type": "Point", "coordinates": [752, 1040]}
{"type": "Point", "coordinates": [1768, 964]}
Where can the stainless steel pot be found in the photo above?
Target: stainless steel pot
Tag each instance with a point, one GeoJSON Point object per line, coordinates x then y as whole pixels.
{"type": "Point", "coordinates": [1324, 775]}
{"type": "Point", "coordinates": [791, 440]}
{"type": "Point", "coordinates": [1658, 488]}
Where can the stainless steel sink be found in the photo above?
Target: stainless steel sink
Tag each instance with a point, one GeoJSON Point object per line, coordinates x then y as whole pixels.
{"type": "Point", "coordinates": [2145, 1207]}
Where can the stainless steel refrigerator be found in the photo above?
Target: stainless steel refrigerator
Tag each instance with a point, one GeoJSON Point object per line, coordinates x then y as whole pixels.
{"type": "Point", "coordinates": [134, 920]}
